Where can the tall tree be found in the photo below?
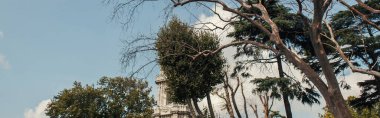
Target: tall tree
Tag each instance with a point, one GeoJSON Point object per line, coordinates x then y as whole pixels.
{"type": "Point", "coordinates": [313, 19]}
{"type": "Point", "coordinates": [293, 33]}
{"type": "Point", "coordinates": [117, 97]}
{"type": "Point", "coordinates": [187, 77]}
{"type": "Point", "coordinates": [329, 90]}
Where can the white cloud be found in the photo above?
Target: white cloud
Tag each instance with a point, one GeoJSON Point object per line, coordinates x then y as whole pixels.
{"type": "Point", "coordinates": [38, 111]}
{"type": "Point", "coordinates": [1, 35]}
{"type": "Point", "coordinates": [352, 80]}
{"type": "Point", "coordinates": [4, 64]}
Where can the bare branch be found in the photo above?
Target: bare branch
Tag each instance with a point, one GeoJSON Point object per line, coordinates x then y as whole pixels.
{"type": "Point", "coordinates": [299, 3]}
{"type": "Point", "coordinates": [274, 37]}
{"type": "Point", "coordinates": [363, 16]}
{"type": "Point", "coordinates": [216, 13]}
{"type": "Point", "coordinates": [346, 59]}
{"type": "Point", "coordinates": [368, 7]}
{"type": "Point", "coordinates": [215, 26]}
{"type": "Point", "coordinates": [226, 8]}
{"type": "Point", "coordinates": [326, 4]}
{"type": "Point", "coordinates": [142, 67]}
{"type": "Point", "coordinates": [211, 52]}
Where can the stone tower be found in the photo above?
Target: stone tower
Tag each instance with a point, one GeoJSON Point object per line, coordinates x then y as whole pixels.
{"type": "Point", "coordinates": [165, 108]}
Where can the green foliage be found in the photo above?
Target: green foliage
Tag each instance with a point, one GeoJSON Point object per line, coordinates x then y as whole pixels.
{"type": "Point", "coordinates": [188, 77]}
{"type": "Point", "coordinates": [115, 97]}
{"type": "Point", "coordinates": [356, 112]}
{"type": "Point", "coordinates": [126, 97]}
{"type": "Point", "coordinates": [362, 45]}
{"type": "Point", "coordinates": [276, 114]}
{"type": "Point", "coordinates": [292, 29]}
{"type": "Point", "coordinates": [276, 87]}
{"type": "Point", "coordinates": [293, 32]}
{"type": "Point", "coordinates": [77, 102]}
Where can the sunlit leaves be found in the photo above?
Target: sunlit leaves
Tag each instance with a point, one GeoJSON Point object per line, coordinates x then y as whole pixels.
{"type": "Point", "coordinates": [115, 97]}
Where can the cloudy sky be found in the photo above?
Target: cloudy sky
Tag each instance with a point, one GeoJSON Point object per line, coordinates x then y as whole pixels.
{"type": "Point", "coordinates": [46, 45]}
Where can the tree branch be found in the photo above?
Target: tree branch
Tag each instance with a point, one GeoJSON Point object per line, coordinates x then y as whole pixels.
{"type": "Point", "coordinates": [211, 52]}
{"type": "Point", "coordinates": [375, 11]}
{"type": "Point", "coordinates": [346, 59]}
{"type": "Point", "coordinates": [363, 16]}
{"type": "Point", "coordinates": [226, 8]}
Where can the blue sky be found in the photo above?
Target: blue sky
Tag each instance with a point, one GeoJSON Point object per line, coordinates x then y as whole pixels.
{"type": "Point", "coordinates": [49, 44]}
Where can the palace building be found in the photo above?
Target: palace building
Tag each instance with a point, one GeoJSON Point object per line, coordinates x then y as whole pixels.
{"type": "Point", "coordinates": [165, 108]}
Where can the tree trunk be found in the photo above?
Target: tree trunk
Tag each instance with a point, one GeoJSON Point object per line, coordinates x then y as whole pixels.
{"type": "Point", "coordinates": [228, 99]}
{"type": "Point", "coordinates": [287, 106]}
{"type": "Point", "coordinates": [254, 108]}
{"type": "Point", "coordinates": [265, 101]}
{"type": "Point", "coordinates": [192, 112]}
{"type": "Point", "coordinates": [233, 92]}
{"type": "Point", "coordinates": [195, 102]}
{"type": "Point", "coordinates": [285, 98]}
{"type": "Point", "coordinates": [210, 106]}
{"type": "Point", "coordinates": [330, 92]}
{"type": "Point", "coordinates": [244, 101]}
{"type": "Point", "coordinates": [334, 98]}
{"type": "Point", "coordinates": [235, 106]}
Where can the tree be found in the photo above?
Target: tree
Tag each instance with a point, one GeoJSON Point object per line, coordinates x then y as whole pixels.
{"type": "Point", "coordinates": [313, 19]}
{"type": "Point", "coordinates": [188, 78]}
{"type": "Point", "coordinates": [79, 101]}
{"type": "Point", "coordinates": [362, 43]}
{"type": "Point", "coordinates": [117, 97]}
{"type": "Point", "coordinates": [293, 33]}
{"type": "Point", "coordinates": [329, 90]}
{"type": "Point", "coordinates": [226, 95]}
{"type": "Point", "coordinates": [127, 97]}
{"type": "Point", "coordinates": [233, 96]}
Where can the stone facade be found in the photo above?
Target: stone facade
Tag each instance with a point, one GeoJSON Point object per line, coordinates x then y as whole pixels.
{"type": "Point", "coordinates": [166, 109]}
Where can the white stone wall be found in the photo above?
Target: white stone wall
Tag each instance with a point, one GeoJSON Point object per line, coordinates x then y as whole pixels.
{"type": "Point", "coordinates": [165, 109]}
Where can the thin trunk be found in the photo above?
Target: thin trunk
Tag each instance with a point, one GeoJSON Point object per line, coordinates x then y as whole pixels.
{"type": "Point", "coordinates": [244, 101]}
{"type": "Point", "coordinates": [254, 108]}
{"type": "Point", "coordinates": [192, 112]}
{"type": "Point", "coordinates": [235, 106]}
{"type": "Point", "coordinates": [285, 98]}
{"type": "Point", "coordinates": [210, 106]}
{"type": "Point", "coordinates": [267, 109]}
{"type": "Point", "coordinates": [265, 101]}
{"type": "Point", "coordinates": [287, 106]}
{"type": "Point", "coordinates": [227, 97]}
{"type": "Point", "coordinates": [195, 102]}
{"type": "Point", "coordinates": [233, 98]}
